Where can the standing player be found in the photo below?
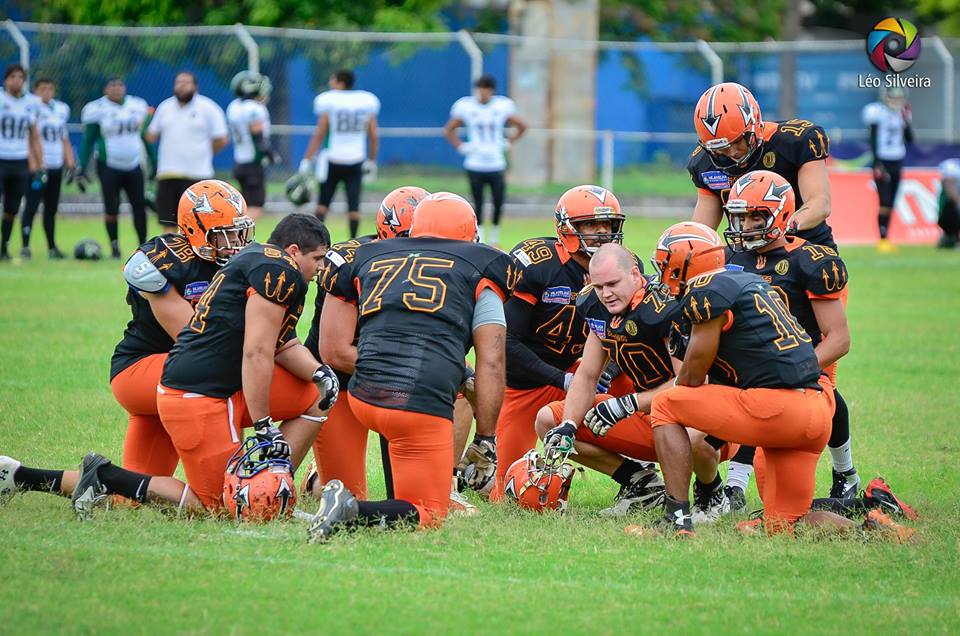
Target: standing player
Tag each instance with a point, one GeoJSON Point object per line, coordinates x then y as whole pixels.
{"type": "Point", "coordinates": [58, 163]}
{"type": "Point", "coordinates": [114, 128]}
{"type": "Point", "coordinates": [165, 278]}
{"type": "Point", "coordinates": [890, 131]}
{"type": "Point", "coordinates": [249, 123]}
{"type": "Point", "coordinates": [21, 153]}
{"type": "Point", "coordinates": [949, 214]}
{"type": "Point", "coordinates": [484, 115]}
{"type": "Point", "coordinates": [421, 302]}
{"type": "Point", "coordinates": [347, 121]}
{"type": "Point", "coordinates": [545, 336]}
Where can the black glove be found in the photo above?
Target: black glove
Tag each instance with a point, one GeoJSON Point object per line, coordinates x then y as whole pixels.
{"type": "Point", "coordinates": [559, 439]}
{"type": "Point", "coordinates": [329, 386]}
{"type": "Point", "coordinates": [270, 157]}
{"type": "Point", "coordinates": [267, 432]}
{"type": "Point", "coordinates": [37, 179]}
{"type": "Point", "coordinates": [677, 342]}
{"type": "Point", "coordinates": [605, 415]}
{"type": "Point", "coordinates": [609, 374]}
{"type": "Point", "coordinates": [82, 180]}
{"type": "Point", "coordinates": [69, 174]}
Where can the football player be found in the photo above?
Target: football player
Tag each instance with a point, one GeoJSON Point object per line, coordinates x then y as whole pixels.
{"type": "Point", "coordinates": [629, 323]}
{"type": "Point", "coordinates": [764, 386]}
{"type": "Point", "coordinates": [249, 123]}
{"type": "Point", "coordinates": [422, 302]}
{"type": "Point", "coordinates": [347, 122]}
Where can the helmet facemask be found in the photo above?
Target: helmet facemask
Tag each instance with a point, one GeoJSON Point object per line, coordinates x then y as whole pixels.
{"type": "Point", "coordinates": [741, 240]}
{"type": "Point", "coordinates": [727, 164]}
{"type": "Point", "coordinates": [569, 226]}
{"type": "Point", "coordinates": [224, 241]}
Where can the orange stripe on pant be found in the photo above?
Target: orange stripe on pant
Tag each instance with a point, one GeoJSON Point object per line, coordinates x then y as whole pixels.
{"type": "Point", "coordinates": [791, 426]}
{"type": "Point", "coordinates": [147, 447]}
{"type": "Point", "coordinates": [341, 449]}
{"type": "Point", "coordinates": [421, 456]}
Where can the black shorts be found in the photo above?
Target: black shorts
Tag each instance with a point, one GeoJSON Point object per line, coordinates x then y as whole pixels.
{"type": "Point", "coordinates": [14, 183]}
{"type": "Point", "coordinates": [887, 187]}
{"type": "Point", "coordinates": [113, 181]}
{"type": "Point", "coordinates": [169, 192]}
{"type": "Point", "coordinates": [351, 175]}
{"type": "Point", "coordinates": [252, 182]}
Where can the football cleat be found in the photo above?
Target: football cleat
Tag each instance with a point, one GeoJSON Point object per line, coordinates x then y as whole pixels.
{"type": "Point", "coordinates": [751, 527]}
{"type": "Point", "coordinates": [879, 491]}
{"type": "Point", "coordinates": [25, 253]}
{"type": "Point", "coordinates": [310, 479]}
{"type": "Point", "coordinates": [89, 492]}
{"type": "Point", "coordinates": [338, 507]}
{"type": "Point", "coordinates": [644, 492]}
{"type": "Point", "coordinates": [877, 521]}
{"type": "Point", "coordinates": [8, 467]}
{"type": "Point", "coordinates": [680, 526]}
{"type": "Point", "coordinates": [459, 505]}
{"type": "Point", "coordinates": [709, 505]}
{"type": "Point", "coordinates": [884, 246]}
{"type": "Point", "coordinates": [55, 254]}
{"type": "Point", "coordinates": [737, 499]}
{"type": "Point", "coordinates": [846, 485]}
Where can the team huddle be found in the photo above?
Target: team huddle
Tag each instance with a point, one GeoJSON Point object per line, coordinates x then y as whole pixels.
{"type": "Point", "coordinates": [726, 351]}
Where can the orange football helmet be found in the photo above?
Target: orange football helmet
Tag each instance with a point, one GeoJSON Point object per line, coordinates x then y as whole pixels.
{"type": "Point", "coordinates": [588, 203]}
{"type": "Point", "coordinates": [444, 215]}
{"type": "Point", "coordinates": [212, 215]}
{"type": "Point", "coordinates": [759, 191]}
{"type": "Point", "coordinates": [687, 250]}
{"type": "Point", "coordinates": [255, 489]}
{"type": "Point", "coordinates": [725, 114]}
{"type": "Point", "coordinates": [537, 484]}
{"type": "Point", "coordinates": [396, 211]}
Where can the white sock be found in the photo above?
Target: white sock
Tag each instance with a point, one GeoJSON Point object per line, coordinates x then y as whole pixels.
{"type": "Point", "coordinates": [738, 475]}
{"type": "Point", "coordinates": [842, 457]}
{"type": "Point", "coordinates": [495, 235]}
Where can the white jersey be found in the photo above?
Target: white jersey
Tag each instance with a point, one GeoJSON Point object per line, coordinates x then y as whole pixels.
{"type": "Point", "coordinates": [348, 113]}
{"type": "Point", "coordinates": [890, 129]}
{"type": "Point", "coordinates": [950, 169]}
{"type": "Point", "coordinates": [186, 135]}
{"type": "Point", "coordinates": [53, 118]}
{"type": "Point", "coordinates": [120, 127]}
{"type": "Point", "coordinates": [484, 124]}
{"type": "Point", "coordinates": [241, 113]}
{"type": "Point", "coordinates": [17, 115]}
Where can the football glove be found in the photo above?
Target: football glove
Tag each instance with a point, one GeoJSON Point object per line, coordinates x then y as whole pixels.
{"type": "Point", "coordinates": [369, 170]}
{"type": "Point", "coordinates": [328, 385]}
{"type": "Point", "coordinates": [479, 463]}
{"type": "Point", "coordinates": [567, 379]}
{"type": "Point", "coordinates": [82, 180]}
{"type": "Point", "coordinates": [677, 342]}
{"type": "Point", "coordinates": [270, 157]}
{"type": "Point", "coordinates": [605, 415]}
{"type": "Point", "coordinates": [69, 174]}
{"type": "Point", "coordinates": [306, 166]}
{"type": "Point", "coordinates": [267, 432]}
{"type": "Point", "coordinates": [469, 386]}
{"type": "Point", "coordinates": [37, 179]}
{"type": "Point", "coordinates": [559, 439]}
{"type": "Point", "coordinates": [609, 374]}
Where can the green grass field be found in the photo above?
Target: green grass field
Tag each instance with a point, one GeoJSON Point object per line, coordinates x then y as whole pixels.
{"type": "Point", "coordinates": [506, 571]}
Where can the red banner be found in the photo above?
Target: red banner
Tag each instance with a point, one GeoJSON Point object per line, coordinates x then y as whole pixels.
{"type": "Point", "coordinates": [854, 201]}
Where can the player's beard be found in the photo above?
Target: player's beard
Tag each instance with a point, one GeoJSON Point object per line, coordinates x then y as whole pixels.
{"type": "Point", "coordinates": [184, 98]}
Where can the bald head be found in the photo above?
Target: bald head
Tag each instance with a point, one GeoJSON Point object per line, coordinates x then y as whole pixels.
{"type": "Point", "coordinates": [615, 255]}
{"type": "Point", "coordinates": [615, 276]}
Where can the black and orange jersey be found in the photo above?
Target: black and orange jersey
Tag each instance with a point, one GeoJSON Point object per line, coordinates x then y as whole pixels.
{"type": "Point", "coordinates": [338, 255]}
{"type": "Point", "coordinates": [550, 328]}
{"type": "Point", "coordinates": [786, 147]}
{"type": "Point", "coordinates": [801, 272]}
{"type": "Point", "coordinates": [185, 272]}
{"type": "Point", "coordinates": [415, 300]}
{"type": "Point", "coordinates": [762, 346]}
{"type": "Point", "coordinates": [636, 339]}
{"type": "Point", "coordinates": [208, 355]}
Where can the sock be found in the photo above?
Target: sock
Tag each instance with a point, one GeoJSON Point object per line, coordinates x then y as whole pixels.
{"type": "Point", "coordinates": [25, 235]}
{"type": "Point", "coordinates": [390, 512]}
{"type": "Point", "coordinates": [627, 470]}
{"type": "Point", "coordinates": [842, 457]}
{"type": "Point", "coordinates": [884, 222]}
{"type": "Point", "coordinates": [738, 475]}
{"type": "Point", "coordinates": [6, 229]}
{"type": "Point", "coordinates": [112, 233]}
{"type": "Point", "coordinates": [120, 481]}
{"type": "Point", "coordinates": [713, 485]}
{"type": "Point", "coordinates": [495, 234]}
{"type": "Point", "coordinates": [845, 507]}
{"type": "Point", "coordinates": [38, 479]}
{"type": "Point", "coordinates": [840, 426]}
{"type": "Point", "coordinates": [354, 227]}
{"type": "Point", "coordinates": [677, 513]}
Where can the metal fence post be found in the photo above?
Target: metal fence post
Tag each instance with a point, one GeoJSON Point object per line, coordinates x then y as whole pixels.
{"type": "Point", "coordinates": [606, 160]}
{"type": "Point", "coordinates": [716, 64]}
{"type": "Point", "coordinates": [473, 52]}
{"type": "Point", "coordinates": [253, 51]}
{"type": "Point", "coordinates": [23, 45]}
{"type": "Point", "coordinates": [948, 78]}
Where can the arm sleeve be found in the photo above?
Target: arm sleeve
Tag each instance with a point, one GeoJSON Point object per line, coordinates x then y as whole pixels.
{"type": "Point", "coordinates": [873, 141]}
{"type": "Point", "coordinates": [488, 310]}
{"type": "Point", "coordinates": [908, 133]}
{"type": "Point", "coordinates": [522, 360]}
{"type": "Point", "coordinates": [91, 132]}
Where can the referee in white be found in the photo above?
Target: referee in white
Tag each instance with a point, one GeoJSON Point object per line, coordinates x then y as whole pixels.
{"type": "Point", "coordinates": [191, 129]}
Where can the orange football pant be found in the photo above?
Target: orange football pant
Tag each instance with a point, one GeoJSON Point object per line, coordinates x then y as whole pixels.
{"type": "Point", "coordinates": [147, 447]}
{"type": "Point", "coordinates": [791, 426]}
{"type": "Point", "coordinates": [206, 430]}
{"type": "Point", "coordinates": [421, 456]}
{"type": "Point", "coordinates": [341, 449]}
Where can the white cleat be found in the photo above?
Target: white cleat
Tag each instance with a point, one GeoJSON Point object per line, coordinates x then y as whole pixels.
{"type": "Point", "coordinates": [709, 506]}
{"type": "Point", "coordinates": [460, 506]}
{"type": "Point", "coordinates": [8, 488]}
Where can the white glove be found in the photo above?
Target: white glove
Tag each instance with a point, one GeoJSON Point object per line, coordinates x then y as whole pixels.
{"type": "Point", "coordinates": [567, 379]}
{"type": "Point", "coordinates": [605, 415]}
{"type": "Point", "coordinates": [306, 166]}
{"type": "Point", "coordinates": [369, 171]}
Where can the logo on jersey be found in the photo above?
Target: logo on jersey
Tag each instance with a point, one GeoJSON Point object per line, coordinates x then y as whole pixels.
{"type": "Point", "coordinates": [630, 328]}
{"type": "Point", "coordinates": [556, 295]}
{"type": "Point", "coordinates": [195, 290]}
{"type": "Point", "coordinates": [761, 261]}
{"type": "Point", "coordinates": [730, 267]}
{"type": "Point", "coordinates": [715, 180]}
{"type": "Point", "coordinates": [893, 45]}
{"type": "Point", "coordinates": [769, 160]}
{"type": "Point", "coordinates": [598, 327]}
{"type": "Point", "coordinates": [522, 256]}
{"type": "Point", "coordinates": [782, 267]}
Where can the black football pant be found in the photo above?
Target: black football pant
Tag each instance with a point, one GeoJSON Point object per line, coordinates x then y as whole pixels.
{"type": "Point", "coordinates": [49, 196]}
{"type": "Point", "coordinates": [14, 183]}
{"type": "Point", "coordinates": [497, 184]}
{"type": "Point", "coordinates": [112, 181]}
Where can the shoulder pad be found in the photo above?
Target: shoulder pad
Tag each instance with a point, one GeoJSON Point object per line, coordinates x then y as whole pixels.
{"type": "Point", "coordinates": [585, 295]}
{"type": "Point", "coordinates": [710, 296]}
{"type": "Point", "coordinates": [823, 269]}
{"type": "Point", "coordinates": [143, 275]}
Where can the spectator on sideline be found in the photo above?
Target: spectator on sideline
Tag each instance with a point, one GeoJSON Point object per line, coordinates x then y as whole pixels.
{"type": "Point", "coordinates": [249, 123]}
{"type": "Point", "coordinates": [21, 153]}
{"type": "Point", "coordinates": [350, 118]}
{"type": "Point", "coordinates": [484, 114]}
{"type": "Point", "coordinates": [58, 161]}
{"type": "Point", "coordinates": [890, 132]}
{"type": "Point", "coordinates": [949, 218]}
{"type": "Point", "coordinates": [114, 128]}
{"type": "Point", "coordinates": [191, 129]}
